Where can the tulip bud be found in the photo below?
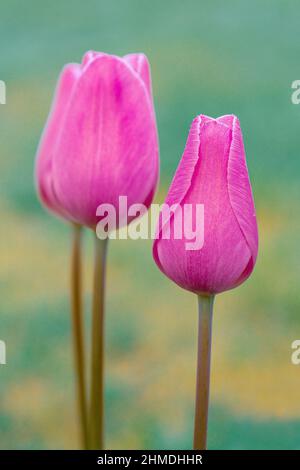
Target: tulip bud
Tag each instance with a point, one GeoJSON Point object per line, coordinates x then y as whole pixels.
{"type": "Point", "coordinates": [100, 141]}
{"type": "Point", "coordinates": [212, 172]}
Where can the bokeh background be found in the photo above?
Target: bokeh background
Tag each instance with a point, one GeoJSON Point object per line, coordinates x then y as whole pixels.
{"type": "Point", "coordinates": [207, 57]}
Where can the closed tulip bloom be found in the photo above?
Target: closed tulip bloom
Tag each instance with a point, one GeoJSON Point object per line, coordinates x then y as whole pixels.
{"type": "Point", "coordinates": [212, 172]}
{"type": "Point", "coordinates": [100, 140]}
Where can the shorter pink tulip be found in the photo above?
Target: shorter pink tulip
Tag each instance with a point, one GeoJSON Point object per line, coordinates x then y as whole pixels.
{"type": "Point", "coordinates": [212, 172]}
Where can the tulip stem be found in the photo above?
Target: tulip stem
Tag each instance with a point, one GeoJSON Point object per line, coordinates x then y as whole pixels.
{"type": "Point", "coordinates": [78, 333]}
{"type": "Point", "coordinates": [97, 372]}
{"type": "Point", "coordinates": [205, 304]}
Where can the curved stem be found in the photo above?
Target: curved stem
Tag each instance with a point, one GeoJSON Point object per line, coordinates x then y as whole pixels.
{"type": "Point", "coordinates": [203, 371]}
{"type": "Point", "coordinates": [78, 333]}
{"type": "Point", "coordinates": [97, 373]}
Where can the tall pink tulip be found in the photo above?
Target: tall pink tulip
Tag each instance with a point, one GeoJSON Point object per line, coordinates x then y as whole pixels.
{"type": "Point", "coordinates": [213, 174]}
{"type": "Point", "coordinates": [100, 140]}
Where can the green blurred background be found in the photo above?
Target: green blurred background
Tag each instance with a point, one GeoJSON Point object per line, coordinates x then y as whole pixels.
{"type": "Point", "coordinates": [207, 57]}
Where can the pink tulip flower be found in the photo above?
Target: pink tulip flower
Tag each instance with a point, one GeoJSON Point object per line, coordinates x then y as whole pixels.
{"type": "Point", "coordinates": [212, 172]}
{"type": "Point", "coordinates": [100, 140]}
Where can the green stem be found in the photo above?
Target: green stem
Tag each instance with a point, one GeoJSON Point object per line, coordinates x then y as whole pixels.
{"type": "Point", "coordinates": [205, 304]}
{"type": "Point", "coordinates": [97, 373]}
{"type": "Point", "coordinates": [78, 333]}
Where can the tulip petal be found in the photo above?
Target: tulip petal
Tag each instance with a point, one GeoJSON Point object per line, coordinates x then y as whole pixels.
{"type": "Point", "coordinates": [140, 65]}
{"type": "Point", "coordinates": [44, 180]}
{"type": "Point", "coordinates": [182, 179]}
{"type": "Point", "coordinates": [89, 56]}
{"type": "Point", "coordinates": [240, 192]}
